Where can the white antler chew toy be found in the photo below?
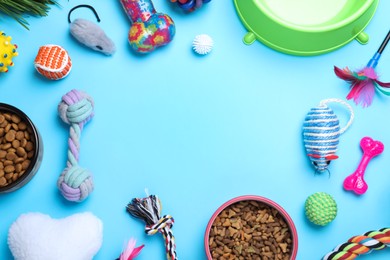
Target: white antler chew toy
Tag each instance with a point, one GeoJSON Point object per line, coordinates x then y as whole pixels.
{"type": "Point", "coordinates": [355, 181]}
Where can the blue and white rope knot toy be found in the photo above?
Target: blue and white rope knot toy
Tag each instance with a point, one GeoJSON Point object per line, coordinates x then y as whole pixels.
{"type": "Point", "coordinates": [321, 132]}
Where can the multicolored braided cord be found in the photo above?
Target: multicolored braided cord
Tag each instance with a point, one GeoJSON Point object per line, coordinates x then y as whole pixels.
{"type": "Point", "coordinates": [149, 210]}
{"type": "Point", "coordinates": [76, 109]}
{"type": "Point", "coordinates": [359, 245]}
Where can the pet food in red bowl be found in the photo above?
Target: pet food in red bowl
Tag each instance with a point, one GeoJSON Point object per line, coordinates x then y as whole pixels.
{"type": "Point", "coordinates": [251, 227]}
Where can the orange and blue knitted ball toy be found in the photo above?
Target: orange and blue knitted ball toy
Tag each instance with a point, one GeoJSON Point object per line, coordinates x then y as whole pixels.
{"type": "Point", "coordinates": [320, 208]}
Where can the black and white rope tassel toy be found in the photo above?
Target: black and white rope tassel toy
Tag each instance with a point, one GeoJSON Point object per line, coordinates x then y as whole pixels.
{"type": "Point", "coordinates": [149, 210]}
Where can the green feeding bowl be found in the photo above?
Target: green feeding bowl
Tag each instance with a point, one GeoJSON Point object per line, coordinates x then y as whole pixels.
{"type": "Point", "coordinates": [305, 27]}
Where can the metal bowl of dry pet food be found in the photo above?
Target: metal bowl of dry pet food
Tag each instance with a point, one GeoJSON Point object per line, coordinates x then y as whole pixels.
{"type": "Point", "coordinates": [21, 148]}
{"type": "Point", "coordinates": [251, 227]}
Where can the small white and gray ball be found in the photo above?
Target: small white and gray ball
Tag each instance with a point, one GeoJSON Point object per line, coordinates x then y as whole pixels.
{"type": "Point", "coordinates": [202, 44]}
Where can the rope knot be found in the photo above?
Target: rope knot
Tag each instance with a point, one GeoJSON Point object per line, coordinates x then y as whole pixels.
{"type": "Point", "coordinates": [75, 183]}
{"type": "Point", "coordinates": [165, 221]}
{"type": "Point", "coordinates": [76, 107]}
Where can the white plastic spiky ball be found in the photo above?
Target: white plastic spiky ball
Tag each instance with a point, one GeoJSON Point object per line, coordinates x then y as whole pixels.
{"type": "Point", "coordinates": [202, 44]}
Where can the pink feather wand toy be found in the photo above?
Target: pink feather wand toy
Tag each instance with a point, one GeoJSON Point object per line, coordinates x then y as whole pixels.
{"type": "Point", "coordinates": [130, 252]}
{"type": "Point", "coordinates": [365, 81]}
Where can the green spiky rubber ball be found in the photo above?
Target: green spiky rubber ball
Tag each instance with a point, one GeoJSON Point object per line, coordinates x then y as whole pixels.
{"type": "Point", "coordinates": [320, 208]}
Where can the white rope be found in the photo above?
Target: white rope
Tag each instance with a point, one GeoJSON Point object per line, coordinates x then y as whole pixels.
{"type": "Point", "coordinates": [324, 103]}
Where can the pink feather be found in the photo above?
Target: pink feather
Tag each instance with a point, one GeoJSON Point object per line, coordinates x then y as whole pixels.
{"type": "Point", "coordinates": [383, 84]}
{"type": "Point", "coordinates": [131, 251]}
{"type": "Point", "coordinates": [363, 84]}
{"type": "Point", "coordinates": [344, 74]}
{"type": "Point", "coordinates": [364, 94]}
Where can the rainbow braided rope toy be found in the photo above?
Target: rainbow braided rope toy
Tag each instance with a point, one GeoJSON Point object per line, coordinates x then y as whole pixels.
{"type": "Point", "coordinates": [75, 109]}
{"type": "Point", "coordinates": [359, 245]}
{"type": "Point", "coordinates": [149, 210]}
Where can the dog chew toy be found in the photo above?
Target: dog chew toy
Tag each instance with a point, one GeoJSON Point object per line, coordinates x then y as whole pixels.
{"type": "Point", "coordinates": [190, 5]}
{"type": "Point", "coordinates": [76, 109]}
{"type": "Point", "coordinates": [321, 132]}
{"type": "Point", "coordinates": [355, 181]}
{"type": "Point", "coordinates": [7, 52]}
{"type": "Point", "coordinates": [365, 81]}
{"type": "Point", "coordinates": [36, 236]}
{"type": "Point", "coordinates": [149, 29]}
{"type": "Point", "coordinates": [202, 44]}
{"type": "Point", "coordinates": [53, 62]}
{"type": "Point", "coordinates": [149, 210]}
{"type": "Point", "coordinates": [130, 251]}
{"type": "Point", "coordinates": [360, 245]}
{"type": "Point", "coordinates": [90, 34]}
{"type": "Point", "coordinates": [320, 208]}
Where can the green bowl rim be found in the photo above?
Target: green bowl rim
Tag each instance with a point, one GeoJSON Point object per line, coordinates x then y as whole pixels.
{"type": "Point", "coordinates": [337, 25]}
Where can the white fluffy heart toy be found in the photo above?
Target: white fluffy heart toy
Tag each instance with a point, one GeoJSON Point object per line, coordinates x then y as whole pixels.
{"type": "Point", "coordinates": [36, 236]}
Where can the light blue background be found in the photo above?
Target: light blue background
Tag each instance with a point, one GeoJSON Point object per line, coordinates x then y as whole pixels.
{"type": "Point", "coordinates": [196, 131]}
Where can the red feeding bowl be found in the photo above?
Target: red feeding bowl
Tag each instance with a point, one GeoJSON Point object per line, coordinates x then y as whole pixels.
{"type": "Point", "coordinates": [281, 213]}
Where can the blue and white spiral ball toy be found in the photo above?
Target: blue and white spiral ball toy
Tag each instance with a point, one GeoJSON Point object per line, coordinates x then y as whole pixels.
{"type": "Point", "coordinates": [321, 132]}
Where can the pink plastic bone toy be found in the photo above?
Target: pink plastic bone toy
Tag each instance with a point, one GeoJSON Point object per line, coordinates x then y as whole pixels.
{"type": "Point", "coordinates": [355, 181]}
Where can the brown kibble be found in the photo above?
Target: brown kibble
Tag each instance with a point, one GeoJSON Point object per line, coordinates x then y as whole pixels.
{"type": "Point", "coordinates": [9, 169]}
{"type": "Point", "coordinates": [23, 141]}
{"type": "Point", "coordinates": [15, 126]}
{"type": "Point", "coordinates": [15, 143]}
{"type": "Point", "coordinates": [250, 230]}
{"type": "Point", "coordinates": [16, 148]}
{"type": "Point", "coordinates": [231, 213]}
{"type": "Point", "coordinates": [283, 246]}
{"type": "Point", "coordinates": [8, 176]}
{"type": "Point", "coordinates": [22, 126]}
{"type": "Point", "coordinates": [7, 162]}
{"type": "Point", "coordinates": [19, 160]}
{"type": "Point", "coordinates": [18, 167]}
{"type": "Point", "coordinates": [16, 119]}
{"type": "Point", "coordinates": [25, 164]}
{"type": "Point", "coordinates": [20, 151]}
{"type": "Point", "coordinates": [29, 146]}
{"type": "Point", "coordinates": [10, 136]}
{"type": "Point", "coordinates": [6, 146]}
{"type": "Point", "coordinates": [3, 181]}
{"type": "Point", "coordinates": [10, 156]}
{"type": "Point", "coordinates": [19, 135]}
{"type": "Point", "coordinates": [15, 177]}
{"type": "Point", "coordinates": [7, 116]}
{"type": "Point", "coordinates": [27, 135]}
{"type": "Point", "coordinates": [237, 224]}
{"type": "Point", "coordinates": [226, 223]}
{"type": "Point", "coordinates": [7, 128]}
{"type": "Point", "coordinates": [30, 154]}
